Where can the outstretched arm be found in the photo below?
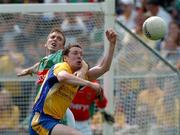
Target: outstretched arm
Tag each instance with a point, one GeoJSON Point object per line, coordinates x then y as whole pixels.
{"type": "Point", "coordinates": [105, 64]}
{"type": "Point", "coordinates": [29, 71]}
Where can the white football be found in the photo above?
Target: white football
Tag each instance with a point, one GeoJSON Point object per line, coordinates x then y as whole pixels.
{"type": "Point", "coordinates": [154, 28]}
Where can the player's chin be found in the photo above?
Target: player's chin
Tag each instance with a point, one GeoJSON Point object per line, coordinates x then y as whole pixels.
{"type": "Point", "coordinates": [78, 65]}
{"type": "Point", "coordinates": [53, 49]}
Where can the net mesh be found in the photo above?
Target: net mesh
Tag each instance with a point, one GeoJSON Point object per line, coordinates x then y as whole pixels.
{"type": "Point", "coordinates": [22, 39]}
{"type": "Point", "coordinates": [146, 90]}
{"type": "Point", "coordinates": [136, 70]}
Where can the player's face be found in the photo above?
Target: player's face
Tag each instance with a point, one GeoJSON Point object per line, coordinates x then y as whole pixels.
{"type": "Point", "coordinates": [55, 42]}
{"type": "Point", "coordinates": [74, 58]}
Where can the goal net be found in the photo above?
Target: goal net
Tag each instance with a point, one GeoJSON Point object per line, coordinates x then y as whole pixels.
{"type": "Point", "coordinates": [136, 68]}
{"type": "Point", "coordinates": [146, 88]}
{"type": "Point", "coordinates": [23, 32]}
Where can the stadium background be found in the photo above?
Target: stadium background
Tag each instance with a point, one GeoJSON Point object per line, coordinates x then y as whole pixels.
{"type": "Point", "coordinates": [22, 36]}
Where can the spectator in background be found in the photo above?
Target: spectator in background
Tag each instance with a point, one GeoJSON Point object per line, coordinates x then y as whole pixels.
{"type": "Point", "coordinates": [73, 27]}
{"type": "Point", "coordinates": [138, 29]}
{"type": "Point", "coordinates": [29, 37]}
{"type": "Point", "coordinates": [125, 114]}
{"type": "Point", "coordinates": [12, 59]}
{"type": "Point", "coordinates": [142, 59]}
{"type": "Point", "coordinates": [10, 28]}
{"type": "Point", "coordinates": [146, 101]}
{"type": "Point", "coordinates": [154, 7]}
{"type": "Point", "coordinates": [32, 1]}
{"type": "Point", "coordinates": [9, 114]}
{"type": "Point", "coordinates": [128, 13]}
{"type": "Point", "coordinates": [75, 1]}
{"type": "Point", "coordinates": [142, 4]}
{"type": "Point", "coordinates": [169, 47]}
{"type": "Point", "coordinates": [3, 29]}
{"type": "Point", "coordinates": [127, 97]}
{"type": "Point", "coordinates": [55, 1]}
{"type": "Point", "coordinates": [167, 110]}
{"type": "Point", "coordinates": [178, 65]}
{"type": "Point", "coordinates": [96, 35]}
{"type": "Point", "coordinates": [80, 107]}
{"type": "Point", "coordinates": [10, 1]}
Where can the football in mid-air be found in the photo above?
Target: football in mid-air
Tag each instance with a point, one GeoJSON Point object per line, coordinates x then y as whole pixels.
{"type": "Point", "coordinates": [154, 28]}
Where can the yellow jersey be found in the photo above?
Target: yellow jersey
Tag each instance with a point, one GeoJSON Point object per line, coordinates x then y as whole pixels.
{"type": "Point", "coordinates": [55, 97]}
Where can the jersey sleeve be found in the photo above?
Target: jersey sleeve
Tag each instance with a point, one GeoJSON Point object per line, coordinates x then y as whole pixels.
{"type": "Point", "coordinates": [61, 67]}
{"type": "Point", "coordinates": [101, 103]}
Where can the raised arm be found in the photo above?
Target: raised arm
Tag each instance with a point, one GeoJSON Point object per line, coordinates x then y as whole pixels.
{"type": "Point", "coordinates": [105, 64]}
{"type": "Point", "coordinates": [29, 71]}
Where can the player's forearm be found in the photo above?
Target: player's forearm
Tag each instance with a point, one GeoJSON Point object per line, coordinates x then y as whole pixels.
{"type": "Point", "coordinates": [71, 79]}
{"type": "Point", "coordinates": [29, 71]}
{"type": "Point", "coordinates": [110, 51]}
{"type": "Point", "coordinates": [35, 68]}
{"type": "Point", "coordinates": [103, 67]}
{"type": "Point", "coordinates": [106, 64]}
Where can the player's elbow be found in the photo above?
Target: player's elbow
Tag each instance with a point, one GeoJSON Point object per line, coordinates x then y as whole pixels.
{"type": "Point", "coordinates": [106, 69]}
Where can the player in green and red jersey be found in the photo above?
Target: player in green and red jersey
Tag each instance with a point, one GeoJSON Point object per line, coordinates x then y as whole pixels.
{"type": "Point", "coordinates": [54, 45]}
{"type": "Point", "coordinates": [45, 64]}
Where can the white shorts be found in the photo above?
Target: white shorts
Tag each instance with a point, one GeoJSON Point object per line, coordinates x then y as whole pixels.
{"type": "Point", "coordinates": [70, 118]}
{"type": "Point", "coordinates": [84, 127]}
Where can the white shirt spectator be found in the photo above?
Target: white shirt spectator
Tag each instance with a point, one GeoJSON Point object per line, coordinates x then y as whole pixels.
{"type": "Point", "coordinates": [164, 15]}
{"type": "Point", "coordinates": [73, 27]}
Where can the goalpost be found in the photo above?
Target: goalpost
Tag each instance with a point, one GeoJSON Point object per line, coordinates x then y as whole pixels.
{"type": "Point", "coordinates": [25, 27]}
{"type": "Point", "coordinates": [135, 69]}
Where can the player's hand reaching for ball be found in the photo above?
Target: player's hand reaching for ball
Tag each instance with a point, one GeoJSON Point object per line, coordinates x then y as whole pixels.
{"type": "Point", "coordinates": [111, 36]}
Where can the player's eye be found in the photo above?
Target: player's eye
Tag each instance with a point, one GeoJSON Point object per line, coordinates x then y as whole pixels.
{"type": "Point", "coordinates": [59, 38]}
{"type": "Point", "coordinates": [52, 37]}
{"type": "Point", "coordinates": [77, 53]}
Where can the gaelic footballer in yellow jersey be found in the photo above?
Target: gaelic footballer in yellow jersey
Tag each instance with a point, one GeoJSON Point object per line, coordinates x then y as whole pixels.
{"type": "Point", "coordinates": [54, 97]}
{"type": "Point", "coordinates": [60, 87]}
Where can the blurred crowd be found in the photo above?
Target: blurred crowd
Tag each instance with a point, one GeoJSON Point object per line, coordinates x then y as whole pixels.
{"type": "Point", "coordinates": [20, 33]}
{"type": "Point", "coordinates": [133, 13]}
{"type": "Point", "coordinates": [47, 1]}
{"type": "Point", "coordinates": [22, 44]}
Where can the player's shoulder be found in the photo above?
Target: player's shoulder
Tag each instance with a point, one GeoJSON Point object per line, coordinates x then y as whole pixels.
{"type": "Point", "coordinates": [59, 52]}
{"type": "Point", "coordinates": [62, 66]}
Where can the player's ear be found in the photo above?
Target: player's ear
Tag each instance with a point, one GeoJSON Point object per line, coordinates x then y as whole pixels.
{"type": "Point", "coordinates": [65, 58]}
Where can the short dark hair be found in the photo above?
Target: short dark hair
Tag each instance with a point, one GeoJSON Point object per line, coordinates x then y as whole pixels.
{"type": "Point", "coordinates": [68, 47]}
{"type": "Point", "coordinates": [58, 30]}
{"type": "Point", "coordinates": [153, 2]}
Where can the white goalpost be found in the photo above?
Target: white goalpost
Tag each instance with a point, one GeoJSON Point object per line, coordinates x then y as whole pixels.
{"type": "Point", "coordinates": [17, 18]}
{"type": "Point", "coordinates": [142, 88]}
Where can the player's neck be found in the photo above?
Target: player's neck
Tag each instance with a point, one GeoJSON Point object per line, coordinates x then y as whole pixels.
{"type": "Point", "coordinates": [51, 52]}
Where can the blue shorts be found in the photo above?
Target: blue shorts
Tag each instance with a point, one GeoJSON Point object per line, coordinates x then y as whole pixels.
{"type": "Point", "coordinates": [42, 124]}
